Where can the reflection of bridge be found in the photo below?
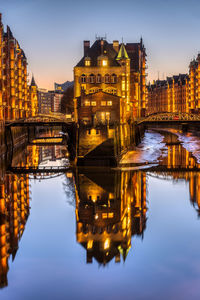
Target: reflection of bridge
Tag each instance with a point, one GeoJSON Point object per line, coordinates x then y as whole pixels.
{"type": "Point", "coordinates": [44, 120]}
{"type": "Point", "coordinates": [171, 117]}
{"type": "Point", "coordinates": [39, 169]}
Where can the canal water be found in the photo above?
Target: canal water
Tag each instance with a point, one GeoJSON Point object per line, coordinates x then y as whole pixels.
{"type": "Point", "coordinates": [126, 233]}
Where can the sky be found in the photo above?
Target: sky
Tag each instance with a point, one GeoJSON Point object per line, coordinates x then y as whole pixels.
{"type": "Point", "coordinates": [51, 33]}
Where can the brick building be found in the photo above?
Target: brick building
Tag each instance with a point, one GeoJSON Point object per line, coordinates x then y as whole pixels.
{"type": "Point", "coordinates": [44, 101]}
{"type": "Point", "coordinates": [170, 95]}
{"type": "Point", "coordinates": [116, 71]}
{"type": "Point", "coordinates": [15, 95]}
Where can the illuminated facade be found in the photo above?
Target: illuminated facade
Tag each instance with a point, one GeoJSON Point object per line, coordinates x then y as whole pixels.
{"type": "Point", "coordinates": [170, 95]}
{"type": "Point", "coordinates": [109, 212]}
{"type": "Point", "coordinates": [194, 86]}
{"type": "Point", "coordinates": [15, 98]}
{"type": "Point", "coordinates": [107, 76]}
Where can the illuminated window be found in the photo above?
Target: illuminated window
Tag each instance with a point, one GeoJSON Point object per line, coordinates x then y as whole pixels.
{"type": "Point", "coordinates": [109, 103]}
{"type": "Point", "coordinates": [104, 215]}
{"type": "Point", "coordinates": [107, 116]}
{"type": "Point", "coordinates": [107, 78]}
{"type": "Point", "coordinates": [104, 62]}
{"type": "Point", "coordinates": [110, 215]}
{"type": "Point", "coordinates": [93, 103]}
{"type": "Point", "coordinates": [103, 103]}
{"type": "Point", "coordinates": [87, 63]}
{"type": "Point", "coordinates": [90, 244]}
{"type": "Point", "coordinates": [87, 103]}
{"type": "Point", "coordinates": [106, 244]}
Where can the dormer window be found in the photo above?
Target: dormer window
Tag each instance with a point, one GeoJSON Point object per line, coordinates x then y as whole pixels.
{"type": "Point", "coordinates": [102, 61]}
{"type": "Point", "coordinates": [87, 61]}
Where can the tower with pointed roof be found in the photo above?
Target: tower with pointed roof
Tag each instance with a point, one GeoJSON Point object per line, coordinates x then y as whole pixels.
{"type": "Point", "coordinates": [33, 95]}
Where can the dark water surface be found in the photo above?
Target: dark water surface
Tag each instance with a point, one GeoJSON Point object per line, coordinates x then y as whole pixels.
{"type": "Point", "coordinates": [101, 234]}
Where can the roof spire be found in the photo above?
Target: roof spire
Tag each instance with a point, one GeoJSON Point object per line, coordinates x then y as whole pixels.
{"type": "Point", "coordinates": [33, 81]}
{"type": "Point", "coordinates": [122, 53]}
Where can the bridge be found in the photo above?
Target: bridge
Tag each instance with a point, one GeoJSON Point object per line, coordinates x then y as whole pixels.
{"type": "Point", "coordinates": [54, 119]}
{"type": "Point", "coordinates": [43, 120]}
{"type": "Point", "coordinates": [167, 117]}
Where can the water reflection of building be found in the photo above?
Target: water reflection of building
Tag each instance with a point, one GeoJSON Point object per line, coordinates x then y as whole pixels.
{"type": "Point", "coordinates": [110, 209]}
{"type": "Point", "coordinates": [14, 211]}
{"type": "Point", "coordinates": [180, 164]}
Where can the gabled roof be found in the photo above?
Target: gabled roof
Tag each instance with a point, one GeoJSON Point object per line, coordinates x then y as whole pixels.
{"type": "Point", "coordinates": [96, 50]}
{"type": "Point", "coordinates": [122, 53]}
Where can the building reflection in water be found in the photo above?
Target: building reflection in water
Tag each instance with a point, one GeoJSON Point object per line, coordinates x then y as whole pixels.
{"type": "Point", "coordinates": [14, 212]}
{"type": "Point", "coordinates": [110, 209]}
{"type": "Point", "coordinates": [15, 201]}
{"type": "Point", "coordinates": [110, 206]}
{"type": "Point", "coordinates": [179, 164]}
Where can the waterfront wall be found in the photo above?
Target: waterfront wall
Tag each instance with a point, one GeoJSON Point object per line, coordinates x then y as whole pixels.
{"type": "Point", "coordinates": [104, 145]}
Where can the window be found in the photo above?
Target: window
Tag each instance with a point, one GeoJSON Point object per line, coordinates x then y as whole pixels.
{"type": "Point", "coordinates": [105, 116]}
{"type": "Point", "coordinates": [99, 78]}
{"type": "Point", "coordinates": [87, 61]}
{"type": "Point", "coordinates": [87, 103]}
{"type": "Point", "coordinates": [107, 78]}
{"type": "Point", "coordinates": [93, 103]}
{"type": "Point", "coordinates": [83, 78]}
{"type": "Point", "coordinates": [114, 78]}
{"type": "Point", "coordinates": [103, 103]}
{"type": "Point", "coordinates": [109, 103]}
{"type": "Point", "coordinates": [91, 78]}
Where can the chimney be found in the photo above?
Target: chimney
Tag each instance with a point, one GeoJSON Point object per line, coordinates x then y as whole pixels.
{"type": "Point", "coordinates": [116, 46]}
{"type": "Point", "coordinates": [102, 43]}
{"type": "Point", "coordinates": [86, 45]}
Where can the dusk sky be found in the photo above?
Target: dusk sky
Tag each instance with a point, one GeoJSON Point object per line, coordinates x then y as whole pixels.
{"type": "Point", "coordinates": [51, 33]}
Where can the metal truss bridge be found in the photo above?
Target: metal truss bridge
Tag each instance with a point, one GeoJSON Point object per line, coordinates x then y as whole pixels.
{"type": "Point", "coordinates": [55, 119]}
{"type": "Point", "coordinates": [171, 117]}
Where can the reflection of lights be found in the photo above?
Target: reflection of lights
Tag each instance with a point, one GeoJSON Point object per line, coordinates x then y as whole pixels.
{"type": "Point", "coordinates": [90, 244]}
{"type": "Point", "coordinates": [69, 175]}
{"type": "Point", "coordinates": [106, 244]}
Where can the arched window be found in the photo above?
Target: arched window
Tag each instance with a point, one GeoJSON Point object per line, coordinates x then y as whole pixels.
{"type": "Point", "coordinates": [83, 78]}
{"type": "Point", "coordinates": [107, 78]}
{"type": "Point", "coordinates": [114, 78]}
{"type": "Point", "coordinates": [98, 78]}
{"type": "Point", "coordinates": [91, 78]}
